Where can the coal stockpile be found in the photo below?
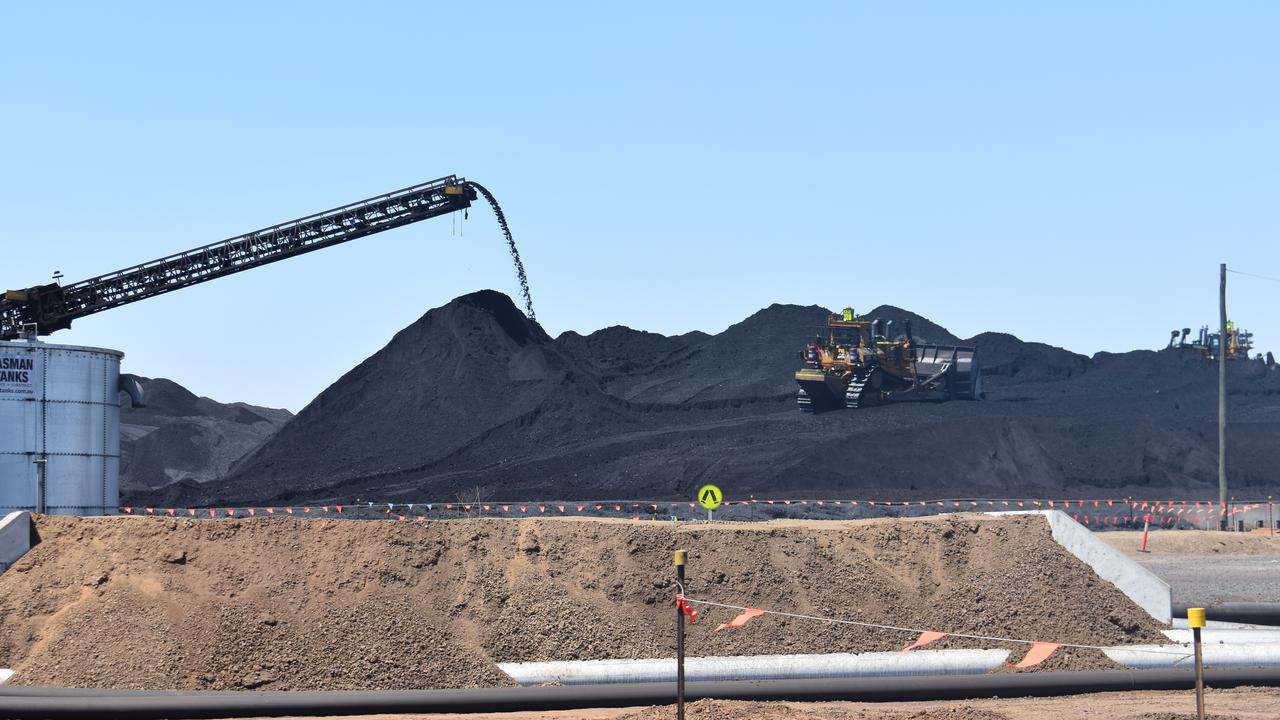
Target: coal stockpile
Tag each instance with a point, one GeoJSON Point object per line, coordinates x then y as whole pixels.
{"type": "Point", "coordinates": [180, 436]}
{"type": "Point", "coordinates": [475, 400]}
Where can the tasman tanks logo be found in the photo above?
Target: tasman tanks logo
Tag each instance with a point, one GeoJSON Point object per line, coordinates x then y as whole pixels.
{"type": "Point", "coordinates": [16, 370]}
{"type": "Point", "coordinates": [15, 375]}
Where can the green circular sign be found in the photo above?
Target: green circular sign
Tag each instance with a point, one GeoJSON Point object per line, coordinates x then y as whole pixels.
{"type": "Point", "coordinates": [709, 497]}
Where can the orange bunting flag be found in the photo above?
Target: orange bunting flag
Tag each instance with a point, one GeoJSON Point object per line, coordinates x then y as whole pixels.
{"type": "Point", "coordinates": [925, 638]}
{"type": "Point", "coordinates": [1039, 652]}
{"type": "Point", "coordinates": [683, 605]}
{"type": "Point", "coordinates": [746, 617]}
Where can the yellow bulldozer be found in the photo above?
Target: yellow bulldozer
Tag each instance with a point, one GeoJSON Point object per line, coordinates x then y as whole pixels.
{"type": "Point", "coordinates": [855, 362]}
{"type": "Point", "coordinates": [1239, 342]}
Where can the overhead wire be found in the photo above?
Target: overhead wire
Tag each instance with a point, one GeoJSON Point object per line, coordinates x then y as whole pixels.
{"type": "Point", "coordinates": [1254, 275]}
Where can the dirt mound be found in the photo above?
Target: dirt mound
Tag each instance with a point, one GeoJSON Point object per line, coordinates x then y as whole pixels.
{"type": "Point", "coordinates": [327, 604]}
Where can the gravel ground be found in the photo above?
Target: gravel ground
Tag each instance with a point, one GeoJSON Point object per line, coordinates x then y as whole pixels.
{"type": "Point", "coordinates": [1208, 567]}
{"type": "Point", "coordinates": [1216, 580]}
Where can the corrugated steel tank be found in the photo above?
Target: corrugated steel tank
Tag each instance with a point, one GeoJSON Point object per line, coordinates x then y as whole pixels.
{"type": "Point", "coordinates": [59, 429]}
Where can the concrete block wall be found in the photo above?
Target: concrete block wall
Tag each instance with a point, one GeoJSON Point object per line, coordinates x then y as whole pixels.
{"type": "Point", "coordinates": [15, 538]}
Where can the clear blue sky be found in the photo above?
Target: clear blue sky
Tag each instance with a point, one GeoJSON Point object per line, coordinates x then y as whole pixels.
{"type": "Point", "coordinates": [1070, 174]}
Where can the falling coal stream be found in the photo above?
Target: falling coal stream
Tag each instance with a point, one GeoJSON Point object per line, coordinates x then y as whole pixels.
{"type": "Point", "coordinates": [511, 245]}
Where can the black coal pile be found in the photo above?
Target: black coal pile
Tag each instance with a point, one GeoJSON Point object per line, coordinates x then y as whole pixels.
{"type": "Point", "coordinates": [476, 401]}
{"type": "Point", "coordinates": [179, 436]}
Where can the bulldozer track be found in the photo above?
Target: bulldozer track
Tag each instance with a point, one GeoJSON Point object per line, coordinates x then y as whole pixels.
{"type": "Point", "coordinates": [857, 386]}
{"type": "Point", "coordinates": [804, 401]}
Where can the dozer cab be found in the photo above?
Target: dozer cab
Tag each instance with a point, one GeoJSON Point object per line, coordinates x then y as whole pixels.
{"type": "Point", "coordinates": [854, 362]}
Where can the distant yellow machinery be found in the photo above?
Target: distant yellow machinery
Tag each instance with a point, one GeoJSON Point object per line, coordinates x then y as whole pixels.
{"type": "Point", "coordinates": [1239, 342]}
{"type": "Point", "coordinates": [855, 362]}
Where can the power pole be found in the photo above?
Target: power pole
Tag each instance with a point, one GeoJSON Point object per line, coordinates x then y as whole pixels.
{"type": "Point", "coordinates": [1222, 396]}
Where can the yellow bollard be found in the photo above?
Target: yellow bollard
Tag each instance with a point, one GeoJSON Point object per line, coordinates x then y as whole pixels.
{"type": "Point", "coordinates": [1195, 620]}
{"type": "Point", "coordinates": [681, 557]}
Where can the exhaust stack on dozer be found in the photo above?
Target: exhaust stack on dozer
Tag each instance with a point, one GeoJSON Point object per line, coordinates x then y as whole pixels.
{"type": "Point", "coordinates": [856, 363]}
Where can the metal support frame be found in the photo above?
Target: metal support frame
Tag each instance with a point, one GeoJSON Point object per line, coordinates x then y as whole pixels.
{"type": "Point", "coordinates": [53, 307]}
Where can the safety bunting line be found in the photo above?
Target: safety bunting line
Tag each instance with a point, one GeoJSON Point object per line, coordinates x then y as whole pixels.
{"type": "Point", "coordinates": [1106, 512]}
{"type": "Point", "coordinates": [1039, 652]}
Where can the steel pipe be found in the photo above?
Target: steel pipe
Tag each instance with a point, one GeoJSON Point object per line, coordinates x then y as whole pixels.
{"type": "Point", "coordinates": [1239, 612]}
{"type": "Point", "coordinates": [64, 703]}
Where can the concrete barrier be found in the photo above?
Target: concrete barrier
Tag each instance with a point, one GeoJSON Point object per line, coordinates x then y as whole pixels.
{"type": "Point", "coordinates": [1138, 583]}
{"type": "Point", "coordinates": [15, 538]}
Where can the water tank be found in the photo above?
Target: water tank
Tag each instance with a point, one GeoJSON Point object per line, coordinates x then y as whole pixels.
{"type": "Point", "coordinates": [59, 429]}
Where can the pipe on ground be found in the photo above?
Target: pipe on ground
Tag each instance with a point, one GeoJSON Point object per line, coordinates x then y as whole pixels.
{"type": "Point", "coordinates": [1227, 636]}
{"type": "Point", "coordinates": [758, 667]}
{"type": "Point", "coordinates": [1221, 655]}
{"type": "Point", "coordinates": [1239, 612]}
{"type": "Point", "coordinates": [57, 703]}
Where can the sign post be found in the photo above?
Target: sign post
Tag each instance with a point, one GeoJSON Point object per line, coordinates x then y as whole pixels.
{"type": "Point", "coordinates": [1195, 619]}
{"type": "Point", "coordinates": [710, 497]}
{"type": "Point", "coordinates": [680, 558]}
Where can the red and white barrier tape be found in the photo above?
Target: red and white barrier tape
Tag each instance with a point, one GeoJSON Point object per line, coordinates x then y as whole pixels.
{"type": "Point", "coordinates": [1040, 649]}
{"type": "Point", "coordinates": [1109, 512]}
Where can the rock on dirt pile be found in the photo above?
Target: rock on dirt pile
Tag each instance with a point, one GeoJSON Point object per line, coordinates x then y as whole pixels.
{"type": "Point", "coordinates": [329, 604]}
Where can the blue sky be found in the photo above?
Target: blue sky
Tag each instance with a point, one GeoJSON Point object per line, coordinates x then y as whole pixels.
{"type": "Point", "coordinates": [1070, 174]}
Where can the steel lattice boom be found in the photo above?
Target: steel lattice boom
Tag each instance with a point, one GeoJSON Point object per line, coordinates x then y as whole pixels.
{"type": "Point", "coordinates": [53, 307]}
